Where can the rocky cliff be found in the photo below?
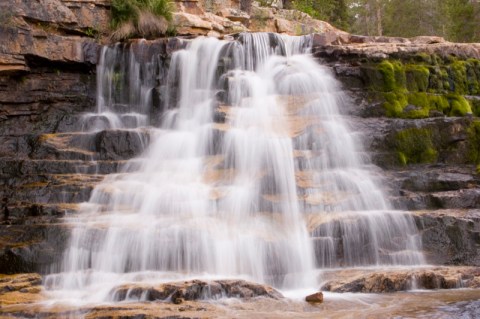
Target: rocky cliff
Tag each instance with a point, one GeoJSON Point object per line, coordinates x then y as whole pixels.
{"type": "Point", "coordinates": [416, 101]}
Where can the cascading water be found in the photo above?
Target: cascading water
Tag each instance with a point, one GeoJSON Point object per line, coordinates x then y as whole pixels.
{"type": "Point", "coordinates": [252, 159]}
{"type": "Point", "coordinates": [123, 89]}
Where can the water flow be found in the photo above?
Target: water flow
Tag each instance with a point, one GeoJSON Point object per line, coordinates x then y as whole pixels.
{"type": "Point", "coordinates": [251, 159]}
{"type": "Point", "coordinates": [123, 89]}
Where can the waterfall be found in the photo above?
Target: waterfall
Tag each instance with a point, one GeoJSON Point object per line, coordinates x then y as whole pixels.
{"type": "Point", "coordinates": [252, 173]}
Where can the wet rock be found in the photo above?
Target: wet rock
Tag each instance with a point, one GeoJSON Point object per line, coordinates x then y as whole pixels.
{"type": "Point", "coordinates": [450, 236]}
{"type": "Point", "coordinates": [28, 248]}
{"type": "Point", "coordinates": [195, 290]}
{"type": "Point", "coordinates": [391, 280]}
{"type": "Point", "coordinates": [120, 144]}
{"type": "Point", "coordinates": [315, 298]}
{"type": "Point", "coordinates": [20, 289]}
{"type": "Point", "coordinates": [439, 186]}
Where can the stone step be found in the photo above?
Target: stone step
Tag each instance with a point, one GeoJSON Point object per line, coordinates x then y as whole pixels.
{"type": "Point", "coordinates": [457, 199]}
{"type": "Point", "coordinates": [52, 188]}
{"type": "Point", "coordinates": [103, 145]}
{"type": "Point", "coordinates": [14, 167]}
{"type": "Point", "coordinates": [38, 213]}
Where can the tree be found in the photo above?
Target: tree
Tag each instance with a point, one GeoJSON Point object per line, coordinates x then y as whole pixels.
{"type": "Point", "coordinates": [464, 20]}
{"type": "Point", "coordinates": [409, 18]}
{"type": "Point", "coordinates": [334, 11]}
{"type": "Point", "coordinates": [367, 16]}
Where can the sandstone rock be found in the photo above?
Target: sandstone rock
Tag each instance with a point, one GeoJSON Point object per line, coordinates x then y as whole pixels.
{"type": "Point", "coordinates": [20, 289]}
{"type": "Point", "coordinates": [285, 26]}
{"type": "Point", "coordinates": [234, 15]}
{"type": "Point", "coordinates": [428, 40]}
{"type": "Point", "coordinates": [391, 280]}
{"type": "Point", "coordinates": [385, 47]}
{"type": "Point", "coordinates": [189, 24]}
{"type": "Point", "coordinates": [52, 11]}
{"type": "Point", "coordinates": [195, 290]}
{"type": "Point", "coordinates": [315, 298]}
{"type": "Point", "coordinates": [189, 6]}
{"type": "Point", "coordinates": [331, 38]}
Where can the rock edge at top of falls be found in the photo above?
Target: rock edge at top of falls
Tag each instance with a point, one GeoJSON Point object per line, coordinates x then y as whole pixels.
{"type": "Point", "coordinates": [68, 37]}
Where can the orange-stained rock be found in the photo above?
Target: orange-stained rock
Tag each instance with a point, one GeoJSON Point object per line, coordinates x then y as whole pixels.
{"type": "Point", "coordinates": [315, 298]}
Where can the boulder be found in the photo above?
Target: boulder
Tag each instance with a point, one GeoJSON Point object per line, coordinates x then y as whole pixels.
{"type": "Point", "coordinates": [234, 15]}
{"type": "Point", "coordinates": [189, 24]}
{"type": "Point", "coordinates": [315, 298]}
{"type": "Point", "coordinates": [450, 236]}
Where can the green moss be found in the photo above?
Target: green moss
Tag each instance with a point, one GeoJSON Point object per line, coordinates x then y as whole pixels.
{"type": "Point", "coordinates": [415, 145]}
{"type": "Point", "coordinates": [459, 106]}
{"type": "Point", "coordinates": [424, 57]}
{"type": "Point", "coordinates": [387, 72]}
{"type": "Point", "coordinates": [427, 82]}
{"type": "Point", "coordinates": [475, 103]}
{"type": "Point", "coordinates": [458, 76]}
{"type": "Point", "coordinates": [422, 103]}
{"type": "Point", "coordinates": [473, 76]}
{"type": "Point", "coordinates": [474, 142]}
{"type": "Point", "coordinates": [417, 77]}
{"type": "Point", "coordinates": [394, 104]}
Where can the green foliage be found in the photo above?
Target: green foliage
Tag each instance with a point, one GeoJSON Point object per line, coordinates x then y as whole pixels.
{"type": "Point", "coordinates": [463, 18]}
{"type": "Point", "coordinates": [456, 20]}
{"type": "Point", "coordinates": [265, 3]}
{"type": "Point", "coordinates": [171, 31]}
{"type": "Point", "coordinates": [92, 32]}
{"type": "Point", "coordinates": [129, 10]}
{"type": "Point", "coordinates": [415, 145]}
{"type": "Point", "coordinates": [333, 11]}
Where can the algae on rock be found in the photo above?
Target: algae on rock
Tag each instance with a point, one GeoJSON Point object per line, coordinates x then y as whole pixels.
{"type": "Point", "coordinates": [425, 83]}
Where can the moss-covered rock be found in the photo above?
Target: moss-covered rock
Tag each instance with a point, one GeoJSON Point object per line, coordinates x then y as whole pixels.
{"type": "Point", "coordinates": [415, 145]}
{"type": "Point", "coordinates": [474, 141]}
{"type": "Point", "coordinates": [417, 77]}
{"type": "Point", "coordinates": [424, 83]}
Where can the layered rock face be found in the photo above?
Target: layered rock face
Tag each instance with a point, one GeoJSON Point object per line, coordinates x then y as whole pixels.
{"type": "Point", "coordinates": [416, 102]}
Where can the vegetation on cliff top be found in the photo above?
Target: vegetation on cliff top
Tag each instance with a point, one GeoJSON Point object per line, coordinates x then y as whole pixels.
{"type": "Point", "coordinates": [140, 18]}
{"type": "Point", "coordinates": [455, 20]}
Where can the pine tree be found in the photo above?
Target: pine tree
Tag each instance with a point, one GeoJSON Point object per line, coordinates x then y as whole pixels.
{"type": "Point", "coordinates": [464, 20]}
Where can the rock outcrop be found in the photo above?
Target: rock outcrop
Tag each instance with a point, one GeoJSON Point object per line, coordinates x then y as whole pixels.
{"type": "Point", "coordinates": [226, 17]}
{"type": "Point", "coordinates": [194, 290]}
{"type": "Point", "coordinates": [391, 280]}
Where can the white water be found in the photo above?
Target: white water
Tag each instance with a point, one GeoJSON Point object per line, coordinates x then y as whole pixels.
{"type": "Point", "coordinates": [123, 89]}
{"type": "Point", "coordinates": [240, 197]}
